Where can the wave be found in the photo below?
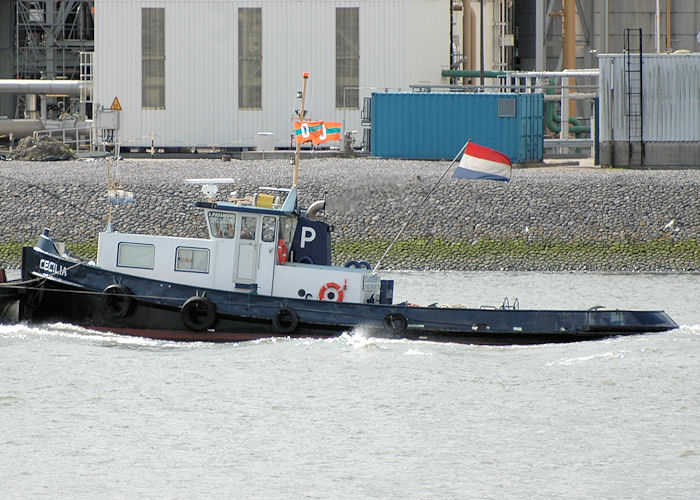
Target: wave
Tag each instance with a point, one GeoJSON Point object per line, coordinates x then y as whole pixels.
{"type": "Point", "coordinates": [69, 332]}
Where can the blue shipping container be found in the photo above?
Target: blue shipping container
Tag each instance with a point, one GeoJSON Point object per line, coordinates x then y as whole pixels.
{"type": "Point", "coordinates": [434, 126]}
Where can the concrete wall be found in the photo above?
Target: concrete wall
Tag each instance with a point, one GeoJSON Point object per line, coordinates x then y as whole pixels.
{"type": "Point", "coordinates": [656, 154]}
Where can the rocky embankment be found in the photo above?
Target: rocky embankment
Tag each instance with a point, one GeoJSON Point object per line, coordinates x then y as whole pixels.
{"type": "Point", "coordinates": [546, 219]}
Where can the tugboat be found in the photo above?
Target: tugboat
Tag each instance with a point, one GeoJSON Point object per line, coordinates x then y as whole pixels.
{"type": "Point", "coordinates": [265, 270]}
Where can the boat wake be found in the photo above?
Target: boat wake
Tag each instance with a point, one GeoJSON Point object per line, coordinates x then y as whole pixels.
{"type": "Point", "coordinates": [360, 339]}
{"type": "Point", "coordinates": [693, 330]}
{"type": "Point", "coordinates": [66, 331]}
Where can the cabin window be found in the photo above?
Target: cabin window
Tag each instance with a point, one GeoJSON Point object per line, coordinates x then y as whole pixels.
{"type": "Point", "coordinates": [222, 224]}
{"type": "Point", "coordinates": [248, 226]}
{"type": "Point", "coordinates": [192, 259]}
{"type": "Point", "coordinates": [268, 228]}
{"type": "Point", "coordinates": [138, 255]}
{"type": "Point", "coordinates": [347, 57]}
{"type": "Point", "coordinates": [153, 58]}
{"type": "Point", "coordinates": [287, 227]}
{"type": "Point", "coordinates": [250, 58]}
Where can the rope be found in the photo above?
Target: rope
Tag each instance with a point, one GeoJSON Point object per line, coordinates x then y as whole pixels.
{"type": "Point", "coordinates": [374, 271]}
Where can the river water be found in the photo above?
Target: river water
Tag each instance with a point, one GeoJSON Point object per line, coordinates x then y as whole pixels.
{"type": "Point", "coordinates": [88, 415]}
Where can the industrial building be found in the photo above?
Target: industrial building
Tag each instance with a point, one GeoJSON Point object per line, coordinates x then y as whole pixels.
{"type": "Point", "coordinates": [224, 73]}
{"type": "Point", "coordinates": [650, 110]}
{"type": "Point", "coordinates": [214, 73]}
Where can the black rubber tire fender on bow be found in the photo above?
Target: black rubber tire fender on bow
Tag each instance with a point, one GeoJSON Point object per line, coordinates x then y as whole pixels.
{"type": "Point", "coordinates": [198, 314]}
{"type": "Point", "coordinates": [285, 321]}
{"type": "Point", "coordinates": [117, 300]}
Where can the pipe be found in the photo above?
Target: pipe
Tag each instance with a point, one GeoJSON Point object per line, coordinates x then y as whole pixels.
{"type": "Point", "coordinates": [460, 73]}
{"type": "Point", "coordinates": [482, 74]}
{"type": "Point", "coordinates": [569, 34]}
{"type": "Point", "coordinates": [657, 25]}
{"type": "Point", "coordinates": [472, 38]}
{"type": "Point", "coordinates": [668, 25]}
{"type": "Point", "coordinates": [314, 208]}
{"type": "Point", "coordinates": [546, 74]}
{"type": "Point", "coordinates": [605, 27]}
{"type": "Point", "coordinates": [60, 87]}
{"type": "Point", "coordinates": [466, 38]}
{"type": "Point", "coordinates": [569, 43]}
{"type": "Point", "coordinates": [552, 119]}
{"type": "Point", "coordinates": [19, 127]}
{"type": "Point", "coordinates": [539, 36]}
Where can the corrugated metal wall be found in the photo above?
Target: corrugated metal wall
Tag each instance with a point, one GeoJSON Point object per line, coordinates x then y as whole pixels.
{"type": "Point", "coordinates": [7, 59]}
{"type": "Point", "coordinates": [436, 125]}
{"type": "Point", "coordinates": [671, 98]}
{"type": "Point", "coordinates": [401, 42]}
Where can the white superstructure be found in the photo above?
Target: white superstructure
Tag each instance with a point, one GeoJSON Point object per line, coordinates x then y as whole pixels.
{"type": "Point", "coordinates": [246, 251]}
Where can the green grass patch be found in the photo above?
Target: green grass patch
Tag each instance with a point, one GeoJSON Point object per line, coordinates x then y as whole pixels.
{"type": "Point", "coordinates": [522, 253]}
{"type": "Point", "coordinates": [662, 254]}
{"type": "Point", "coordinates": [11, 252]}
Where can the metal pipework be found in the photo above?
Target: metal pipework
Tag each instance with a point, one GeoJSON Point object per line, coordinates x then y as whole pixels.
{"type": "Point", "coordinates": [19, 127]}
{"type": "Point", "coordinates": [56, 87]}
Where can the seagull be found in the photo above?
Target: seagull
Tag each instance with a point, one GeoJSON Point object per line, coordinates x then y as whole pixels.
{"type": "Point", "coordinates": [670, 226]}
{"type": "Point", "coordinates": [526, 230]}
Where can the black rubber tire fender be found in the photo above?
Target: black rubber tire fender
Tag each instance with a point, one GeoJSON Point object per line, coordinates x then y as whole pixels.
{"type": "Point", "coordinates": [395, 323]}
{"type": "Point", "coordinates": [285, 321]}
{"type": "Point", "coordinates": [198, 313]}
{"type": "Point", "coordinates": [117, 300]}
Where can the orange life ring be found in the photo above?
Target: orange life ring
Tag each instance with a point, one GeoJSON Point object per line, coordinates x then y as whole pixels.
{"type": "Point", "coordinates": [335, 295]}
{"type": "Point", "coordinates": [281, 252]}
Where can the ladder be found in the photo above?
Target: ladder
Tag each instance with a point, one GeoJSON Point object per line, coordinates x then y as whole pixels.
{"type": "Point", "coordinates": [634, 109]}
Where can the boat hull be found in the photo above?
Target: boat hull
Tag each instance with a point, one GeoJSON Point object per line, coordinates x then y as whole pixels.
{"type": "Point", "coordinates": [63, 290]}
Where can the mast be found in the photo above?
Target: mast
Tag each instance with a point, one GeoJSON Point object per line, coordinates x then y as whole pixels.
{"type": "Point", "coordinates": [109, 202]}
{"type": "Point", "coordinates": [301, 119]}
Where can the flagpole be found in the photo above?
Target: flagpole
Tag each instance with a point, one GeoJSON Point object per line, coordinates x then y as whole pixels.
{"type": "Point", "coordinates": [418, 207]}
{"type": "Point", "coordinates": [301, 119]}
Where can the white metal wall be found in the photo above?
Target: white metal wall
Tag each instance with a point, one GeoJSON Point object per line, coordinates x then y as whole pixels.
{"type": "Point", "coordinates": [671, 97]}
{"type": "Point", "coordinates": [401, 42]}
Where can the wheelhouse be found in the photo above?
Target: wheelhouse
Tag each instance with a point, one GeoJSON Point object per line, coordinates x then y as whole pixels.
{"type": "Point", "coordinates": [259, 244]}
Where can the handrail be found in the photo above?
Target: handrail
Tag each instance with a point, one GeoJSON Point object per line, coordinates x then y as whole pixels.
{"type": "Point", "coordinates": [86, 141]}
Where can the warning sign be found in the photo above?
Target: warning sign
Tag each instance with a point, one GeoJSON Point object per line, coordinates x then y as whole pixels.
{"type": "Point", "coordinates": [115, 104]}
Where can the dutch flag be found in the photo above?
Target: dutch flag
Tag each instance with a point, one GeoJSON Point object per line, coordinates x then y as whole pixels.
{"type": "Point", "coordinates": [480, 162]}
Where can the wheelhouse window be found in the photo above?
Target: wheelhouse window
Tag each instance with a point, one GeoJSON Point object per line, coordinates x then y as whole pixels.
{"type": "Point", "coordinates": [192, 259]}
{"type": "Point", "coordinates": [222, 224]}
{"type": "Point", "coordinates": [268, 228]}
{"type": "Point", "coordinates": [153, 58]}
{"type": "Point", "coordinates": [287, 227]}
{"type": "Point", "coordinates": [248, 226]}
{"type": "Point", "coordinates": [138, 255]}
{"type": "Point", "coordinates": [347, 57]}
{"type": "Point", "coordinates": [250, 58]}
